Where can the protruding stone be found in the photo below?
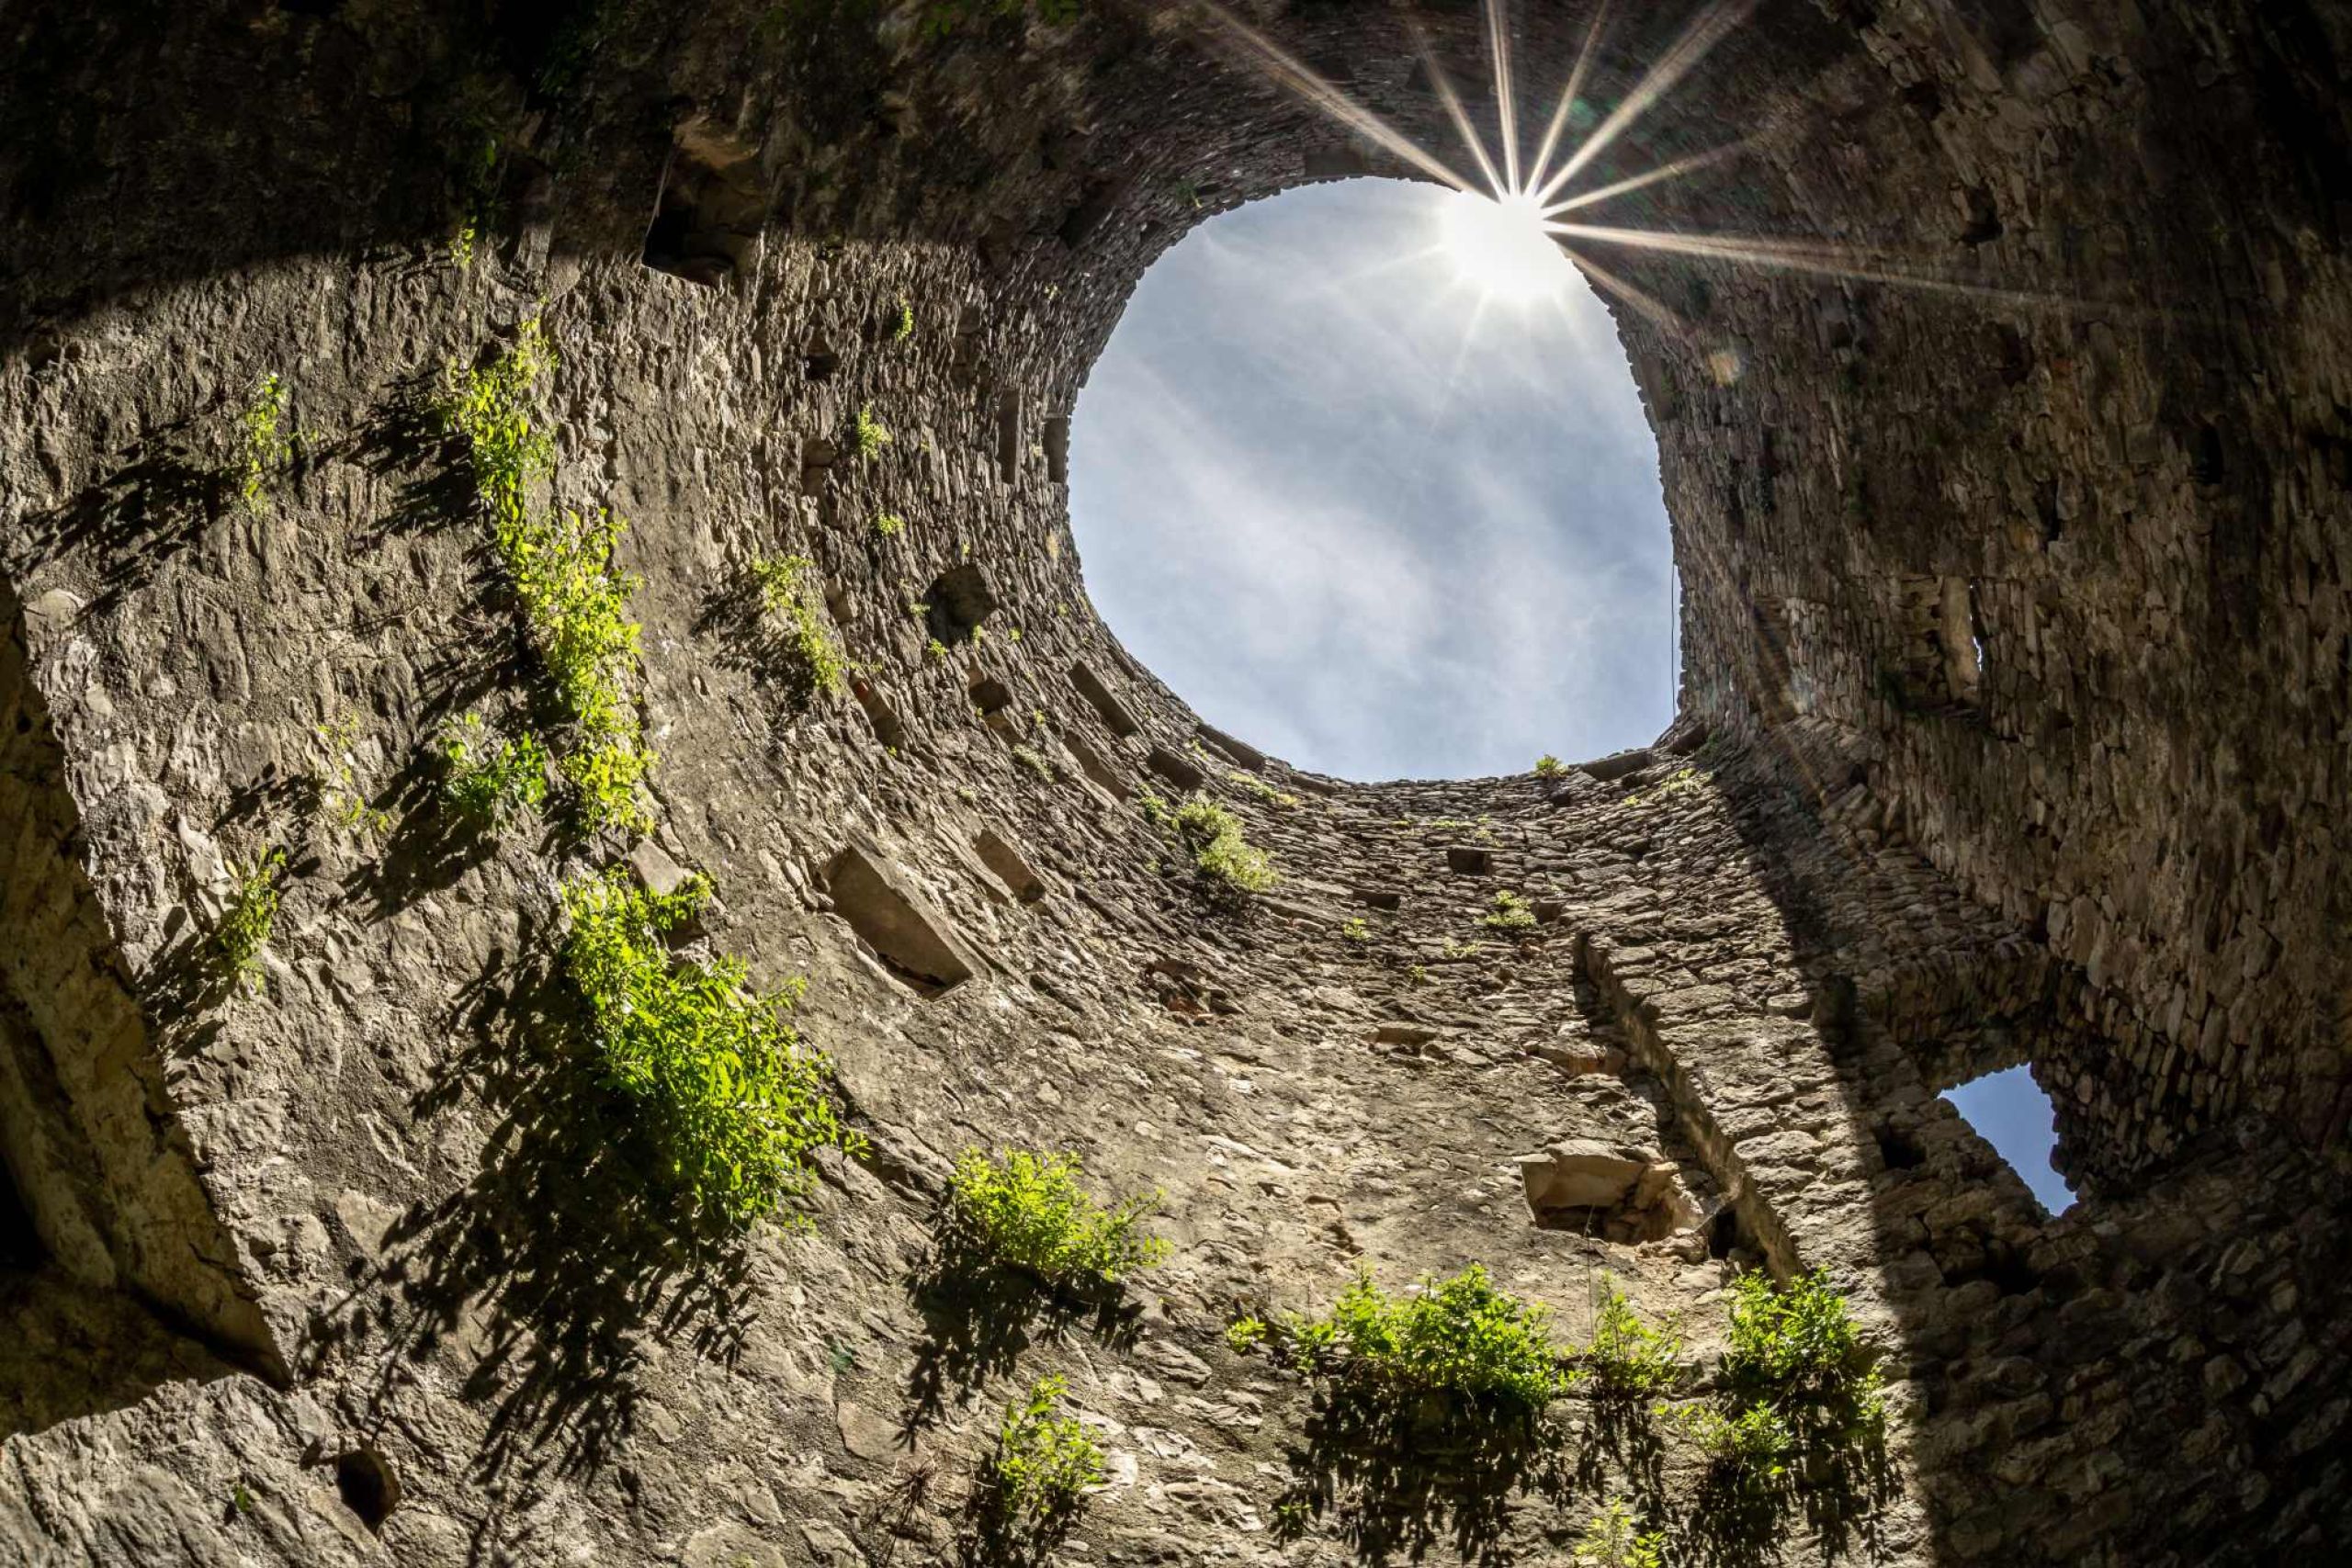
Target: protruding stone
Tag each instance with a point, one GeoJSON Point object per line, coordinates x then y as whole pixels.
{"type": "Point", "coordinates": [1617, 764]}
{"type": "Point", "coordinates": [894, 919]}
{"type": "Point", "coordinates": [1380, 899]}
{"type": "Point", "coordinates": [1096, 767]}
{"type": "Point", "coordinates": [880, 713]}
{"type": "Point", "coordinates": [1175, 767]}
{"type": "Point", "coordinates": [1577, 1173]}
{"type": "Point", "coordinates": [1240, 751]}
{"type": "Point", "coordinates": [1107, 703]}
{"type": "Point", "coordinates": [1010, 864]}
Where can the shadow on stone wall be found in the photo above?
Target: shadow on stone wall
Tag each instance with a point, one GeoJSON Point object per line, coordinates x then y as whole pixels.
{"type": "Point", "coordinates": [542, 1279]}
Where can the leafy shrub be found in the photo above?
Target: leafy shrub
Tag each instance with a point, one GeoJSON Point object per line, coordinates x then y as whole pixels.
{"type": "Point", "coordinates": [252, 912]}
{"type": "Point", "coordinates": [1033, 761]}
{"type": "Point", "coordinates": [1220, 855]}
{"type": "Point", "coordinates": [787, 588]}
{"type": "Point", "coordinates": [1613, 1538]}
{"type": "Point", "coordinates": [1357, 931]}
{"type": "Point", "coordinates": [1795, 1379]}
{"type": "Point", "coordinates": [267, 448]}
{"type": "Point", "coordinates": [867, 436]}
{"type": "Point", "coordinates": [901, 323]}
{"type": "Point", "coordinates": [1627, 1358]}
{"type": "Point", "coordinates": [1027, 1211]}
{"type": "Point", "coordinates": [1155, 810]}
{"type": "Point", "coordinates": [736, 1105]}
{"type": "Point", "coordinates": [1509, 912]}
{"type": "Point", "coordinates": [1462, 1336]}
{"type": "Point", "coordinates": [492, 783]}
{"type": "Point", "coordinates": [1548, 766]}
{"type": "Point", "coordinates": [1245, 1333]}
{"type": "Point", "coordinates": [1044, 1463]}
{"type": "Point", "coordinates": [889, 525]}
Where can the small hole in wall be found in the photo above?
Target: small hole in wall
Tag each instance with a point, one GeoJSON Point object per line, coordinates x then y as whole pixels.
{"type": "Point", "coordinates": [20, 1248]}
{"type": "Point", "coordinates": [1899, 1149]}
{"type": "Point", "coordinates": [367, 1486]}
{"type": "Point", "coordinates": [2010, 1112]}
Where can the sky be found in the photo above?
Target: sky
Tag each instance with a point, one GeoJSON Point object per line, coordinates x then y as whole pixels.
{"type": "Point", "coordinates": [1367, 514]}
{"type": "Point", "coordinates": [2009, 1111]}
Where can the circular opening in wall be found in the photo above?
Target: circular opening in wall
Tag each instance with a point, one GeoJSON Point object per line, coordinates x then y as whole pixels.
{"type": "Point", "coordinates": [1362, 473]}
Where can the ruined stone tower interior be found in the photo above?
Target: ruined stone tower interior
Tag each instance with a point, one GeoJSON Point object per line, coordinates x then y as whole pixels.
{"type": "Point", "coordinates": [2001, 378]}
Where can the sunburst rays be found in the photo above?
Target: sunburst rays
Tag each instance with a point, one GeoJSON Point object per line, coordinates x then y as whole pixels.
{"type": "Point", "coordinates": [1543, 188]}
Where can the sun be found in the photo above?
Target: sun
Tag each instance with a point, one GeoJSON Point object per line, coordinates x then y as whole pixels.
{"type": "Point", "coordinates": [1499, 245]}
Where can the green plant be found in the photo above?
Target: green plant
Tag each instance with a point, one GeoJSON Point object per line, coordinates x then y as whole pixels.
{"type": "Point", "coordinates": [248, 917]}
{"type": "Point", "coordinates": [491, 408]}
{"type": "Point", "coordinates": [1462, 1336]}
{"type": "Point", "coordinates": [1220, 855]}
{"type": "Point", "coordinates": [1613, 1538]}
{"type": "Point", "coordinates": [1044, 1463]}
{"type": "Point", "coordinates": [1454, 951]}
{"type": "Point", "coordinates": [266, 449]}
{"type": "Point", "coordinates": [1027, 1211]}
{"type": "Point", "coordinates": [1680, 782]}
{"type": "Point", "coordinates": [900, 322]}
{"type": "Point", "coordinates": [1155, 809]}
{"type": "Point", "coordinates": [1753, 1442]}
{"type": "Point", "coordinates": [493, 784]}
{"type": "Point", "coordinates": [1357, 930]}
{"type": "Point", "coordinates": [935, 649]}
{"type": "Point", "coordinates": [736, 1106]}
{"type": "Point", "coordinates": [1416, 975]}
{"type": "Point", "coordinates": [1509, 912]}
{"type": "Point", "coordinates": [1031, 760]}
{"type": "Point", "coordinates": [1245, 1333]}
{"type": "Point", "coordinates": [1627, 1358]}
{"type": "Point", "coordinates": [787, 588]}
{"type": "Point", "coordinates": [1548, 766]}
{"type": "Point", "coordinates": [336, 780]}
{"type": "Point", "coordinates": [1795, 1379]}
{"type": "Point", "coordinates": [867, 436]}
{"type": "Point", "coordinates": [239, 1499]}
{"type": "Point", "coordinates": [888, 525]}
{"type": "Point", "coordinates": [574, 600]}
{"type": "Point", "coordinates": [1256, 786]}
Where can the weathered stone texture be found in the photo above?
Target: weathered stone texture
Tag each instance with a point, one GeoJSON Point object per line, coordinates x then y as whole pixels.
{"type": "Point", "coordinates": [2014, 713]}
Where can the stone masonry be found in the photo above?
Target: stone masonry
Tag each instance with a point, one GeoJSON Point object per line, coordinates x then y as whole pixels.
{"type": "Point", "coordinates": [2014, 730]}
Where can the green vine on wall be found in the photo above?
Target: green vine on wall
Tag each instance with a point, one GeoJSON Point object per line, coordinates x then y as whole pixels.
{"type": "Point", "coordinates": [573, 598]}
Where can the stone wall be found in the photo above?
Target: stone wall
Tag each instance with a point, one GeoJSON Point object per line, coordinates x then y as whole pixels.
{"type": "Point", "coordinates": [2105, 852]}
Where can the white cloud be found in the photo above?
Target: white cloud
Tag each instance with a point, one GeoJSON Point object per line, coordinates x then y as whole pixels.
{"type": "Point", "coordinates": [1353, 517]}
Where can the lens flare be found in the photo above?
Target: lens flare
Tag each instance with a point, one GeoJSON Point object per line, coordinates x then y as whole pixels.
{"type": "Point", "coordinates": [1500, 247]}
